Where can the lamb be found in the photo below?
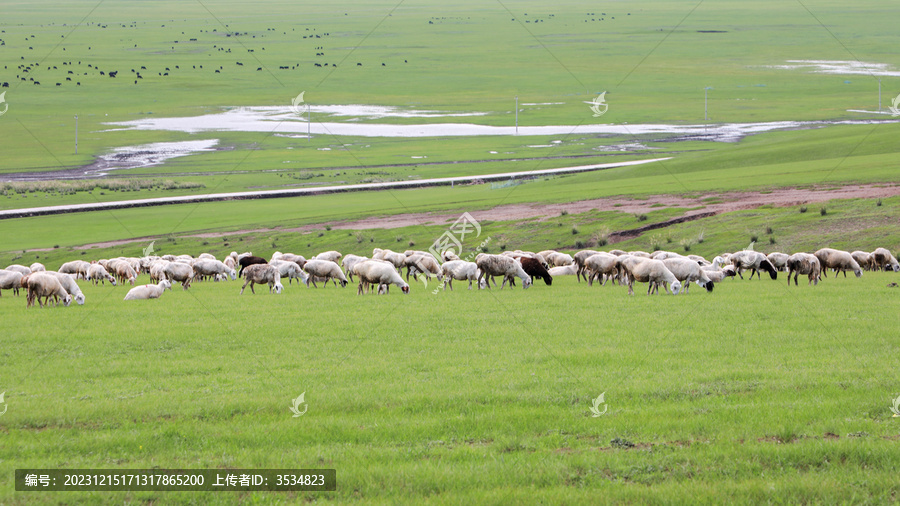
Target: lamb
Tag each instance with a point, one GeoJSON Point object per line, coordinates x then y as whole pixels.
{"type": "Point", "coordinates": [460, 270]}
{"type": "Point", "coordinates": [566, 270]}
{"type": "Point", "coordinates": [533, 268]}
{"type": "Point", "coordinates": [349, 261]}
{"type": "Point", "coordinates": [177, 271]}
{"type": "Point", "coordinates": [579, 258]}
{"type": "Point", "coordinates": [37, 267]}
{"type": "Point", "coordinates": [324, 269]}
{"type": "Point", "coordinates": [864, 259]}
{"type": "Point", "coordinates": [559, 259]}
{"type": "Point", "coordinates": [77, 267]}
{"type": "Point", "coordinates": [499, 265]}
{"type": "Point", "coordinates": [42, 284]}
{"type": "Point", "coordinates": [289, 270]}
{"type": "Point", "coordinates": [332, 256]}
{"type": "Point", "coordinates": [380, 274]}
{"type": "Point", "coordinates": [425, 264]}
{"type": "Point", "coordinates": [21, 269]}
{"type": "Point", "coordinates": [10, 280]}
{"type": "Point", "coordinates": [719, 275]}
{"type": "Point", "coordinates": [124, 272]}
{"type": "Point", "coordinates": [753, 260]}
{"type": "Point", "coordinates": [653, 272]}
{"type": "Point", "coordinates": [686, 271]}
{"type": "Point", "coordinates": [599, 265]}
{"type": "Point", "coordinates": [883, 259]}
{"type": "Point", "coordinates": [262, 274]}
{"type": "Point", "coordinates": [148, 291]}
{"type": "Point", "coordinates": [838, 260]}
{"type": "Point", "coordinates": [244, 261]}
{"type": "Point", "coordinates": [68, 283]}
{"type": "Point", "coordinates": [803, 263]}
{"type": "Point", "coordinates": [212, 267]}
{"type": "Point", "coordinates": [778, 260]}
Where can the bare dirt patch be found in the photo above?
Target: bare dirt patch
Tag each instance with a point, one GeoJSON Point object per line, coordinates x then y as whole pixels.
{"type": "Point", "coordinates": [703, 205]}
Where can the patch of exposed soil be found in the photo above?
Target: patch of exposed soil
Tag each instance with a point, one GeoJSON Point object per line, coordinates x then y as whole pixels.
{"type": "Point", "coordinates": [705, 204]}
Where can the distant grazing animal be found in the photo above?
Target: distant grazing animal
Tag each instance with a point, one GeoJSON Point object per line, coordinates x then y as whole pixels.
{"type": "Point", "coordinates": [324, 269]}
{"type": "Point", "coordinates": [883, 259]}
{"type": "Point", "coordinates": [803, 263]}
{"type": "Point", "coordinates": [42, 284]}
{"type": "Point", "coordinates": [499, 265]}
{"type": "Point", "coordinates": [10, 280]}
{"type": "Point", "coordinates": [262, 274]}
{"type": "Point", "coordinates": [533, 268]}
{"type": "Point", "coordinates": [838, 260]}
{"type": "Point", "coordinates": [655, 273]}
{"type": "Point", "coordinates": [755, 261]}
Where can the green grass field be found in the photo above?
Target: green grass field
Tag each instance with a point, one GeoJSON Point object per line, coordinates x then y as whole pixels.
{"type": "Point", "coordinates": [756, 392]}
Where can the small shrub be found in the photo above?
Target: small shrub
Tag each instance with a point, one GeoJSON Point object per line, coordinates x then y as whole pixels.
{"type": "Point", "coordinates": [769, 230]}
{"type": "Point", "coordinates": [823, 211]}
{"type": "Point", "coordinates": [327, 227]}
{"type": "Point", "coordinates": [564, 213]}
{"type": "Point", "coordinates": [686, 244]}
{"type": "Point", "coordinates": [83, 252]}
{"type": "Point", "coordinates": [56, 246]}
{"type": "Point", "coordinates": [700, 238]}
{"type": "Point", "coordinates": [559, 224]}
{"type": "Point", "coordinates": [878, 202]}
{"type": "Point", "coordinates": [411, 243]}
{"type": "Point", "coordinates": [754, 238]}
{"type": "Point", "coordinates": [205, 243]}
{"type": "Point", "coordinates": [574, 229]}
{"type": "Point", "coordinates": [485, 249]}
{"type": "Point", "coordinates": [641, 217]}
{"type": "Point", "coordinates": [371, 239]}
{"type": "Point", "coordinates": [771, 239]}
{"type": "Point", "coordinates": [275, 245]}
{"type": "Point", "coordinates": [669, 239]}
{"type": "Point", "coordinates": [579, 244]}
{"type": "Point", "coordinates": [802, 209]}
{"type": "Point", "coordinates": [320, 235]}
{"type": "Point", "coordinates": [655, 243]}
{"type": "Point", "coordinates": [502, 247]}
{"type": "Point", "coordinates": [398, 238]}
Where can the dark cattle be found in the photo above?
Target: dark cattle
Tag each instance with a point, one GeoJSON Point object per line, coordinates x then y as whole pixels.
{"type": "Point", "coordinates": [533, 268]}
{"type": "Point", "coordinates": [251, 260]}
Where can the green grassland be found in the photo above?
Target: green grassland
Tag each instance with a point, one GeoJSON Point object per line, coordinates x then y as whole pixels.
{"type": "Point", "coordinates": [756, 392]}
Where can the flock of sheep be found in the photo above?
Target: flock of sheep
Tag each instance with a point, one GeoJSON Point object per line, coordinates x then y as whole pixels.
{"type": "Point", "coordinates": [673, 271]}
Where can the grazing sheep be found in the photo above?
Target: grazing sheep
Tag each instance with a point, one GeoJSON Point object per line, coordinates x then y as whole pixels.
{"type": "Point", "coordinates": [69, 285]}
{"type": "Point", "coordinates": [533, 267]}
{"type": "Point", "coordinates": [124, 272]}
{"type": "Point", "coordinates": [642, 254]}
{"type": "Point", "coordinates": [719, 275]}
{"type": "Point", "coordinates": [179, 272]}
{"type": "Point", "coordinates": [602, 266]}
{"type": "Point", "coordinates": [883, 259]}
{"type": "Point", "coordinates": [158, 270]}
{"type": "Point", "coordinates": [332, 256]}
{"type": "Point", "coordinates": [778, 260]}
{"type": "Point", "coordinates": [324, 269]}
{"type": "Point", "coordinates": [753, 260]}
{"type": "Point", "coordinates": [546, 254]}
{"type": "Point", "coordinates": [297, 259]}
{"type": "Point", "coordinates": [21, 269]}
{"type": "Point", "coordinates": [77, 267]}
{"type": "Point", "coordinates": [380, 274]}
{"type": "Point", "coordinates": [42, 284]}
{"type": "Point", "coordinates": [212, 267]}
{"type": "Point", "coordinates": [616, 252]}
{"type": "Point", "coordinates": [865, 259]}
{"type": "Point", "coordinates": [559, 259]}
{"type": "Point", "coordinates": [838, 260]}
{"type": "Point", "coordinates": [625, 264]}
{"type": "Point", "coordinates": [262, 274]}
{"type": "Point", "coordinates": [206, 256]}
{"type": "Point", "coordinates": [425, 264]}
{"type": "Point", "coordinates": [687, 271]}
{"type": "Point", "coordinates": [449, 256]}
{"type": "Point", "coordinates": [37, 267]}
{"type": "Point", "coordinates": [289, 270]}
{"type": "Point", "coordinates": [499, 265]}
{"type": "Point", "coordinates": [566, 270]}
{"type": "Point", "coordinates": [10, 280]}
{"type": "Point", "coordinates": [804, 263]}
{"type": "Point", "coordinates": [229, 262]}
{"type": "Point", "coordinates": [700, 260]}
{"type": "Point", "coordinates": [460, 270]}
{"type": "Point", "coordinates": [244, 261]}
{"type": "Point", "coordinates": [349, 261]}
{"type": "Point", "coordinates": [655, 273]}
{"type": "Point", "coordinates": [579, 258]}
{"type": "Point", "coordinates": [148, 291]}
{"type": "Point", "coordinates": [398, 259]}
{"type": "Point", "coordinates": [662, 255]}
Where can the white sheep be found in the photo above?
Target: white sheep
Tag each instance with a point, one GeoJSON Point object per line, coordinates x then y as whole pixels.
{"type": "Point", "coordinates": [324, 269]}
{"type": "Point", "coordinates": [21, 269]}
{"type": "Point", "coordinates": [865, 259]}
{"type": "Point", "coordinates": [425, 264]}
{"type": "Point", "coordinates": [688, 271]}
{"type": "Point", "coordinates": [499, 265]}
{"type": "Point", "coordinates": [179, 272]}
{"type": "Point", "coordinates": [579, 258]}
{"type": "Point", "coordinates": [206, 256]}
{"type": "Point", "coordinates": [778, 260]}
{"type": "Point", "coordinates": [37, 267]}
{"type": "Point", "coordinates": [97, 274]}
{"type": "Point", "coordinates": [125, 272]}
{"type": "Point", "coordinates": [380, 274]}
{"type": "Point", "coordinates": [883, 259]}
{"type": "Point", "coordinates": [349, 261]}
{"type": "Point", "coordinates": [332, 256]}
{"type": "Point", "coordinates": [145, 292]}
{"type": "Point", "coordinates": [229, 262]}
{"type": "Point", "coordinates": [77, 267]}
{"type": "Point", "coordinates": [158, 270]}
{"type": "Point", "coordinates": [289, 270]}
{"type": "Point", "coordinates": [10, 280]}
{"type": "Point", "coordinates": [460, 270]}
{"type": "Point", "coordinates": [41, 284]}
{"type": "Point", "coordinates": [290, 257]}
{"type": "Point", "coordinates": [68, 283]}
{"type": "Point", "coordinates": [804, 263]}
{"type": "Point", "coordinates": [838, 260]}
{"type": "Point", "coordinates": [601, 266]}
{"type": "Point", "coordinates": [557, 259]}
{"type": "Point", "coordinates": [212, 267]}
{"type": "Point", "coordinates": [655, 273]}
{"type": "Point", "coordinates": [566, 270]}
{"type": "Point", "coordinates": [755, 261]}
{"type": "Point", "coordinates": [262, 274]}
{"type": "Point", "coordinates": [718, 275]}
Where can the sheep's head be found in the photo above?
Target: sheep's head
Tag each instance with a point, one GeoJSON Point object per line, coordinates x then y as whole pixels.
{"type": "Point", "coordinates": [526, 283]}
{"type": "Point", "coordinates": [165, 284]}
{"type": "Point", "coordinates": [858, 273]}
{"type": "Point", "coordinates": [131, 281]}
{"type": "Point", "coordinates": [233, 274]}
{"type": "Point", "coordinates": [67, 300]}
{"type": "Point", "coordinates": [676, 287]}
{"type": "Point", "coordinates": [708, 285]}
{"type": "Point", "coordinates": [278, 287]}
{"type": "Point", "coordinates": [405, 288]}
{"type": "Point", "coordinates": [80, 299]}
{"type": "Point", "coordinates": [112, 280]}
{"type": "Point", "coordinates": [343, 282]}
